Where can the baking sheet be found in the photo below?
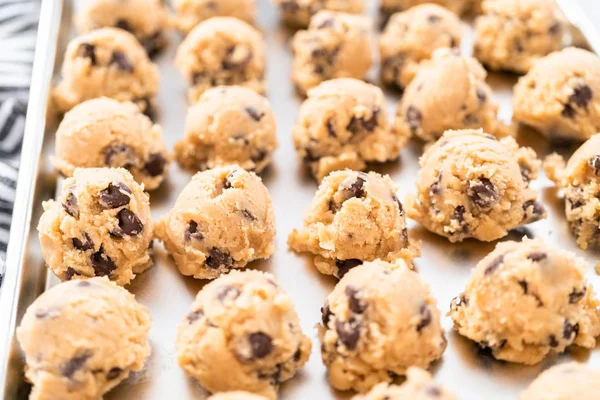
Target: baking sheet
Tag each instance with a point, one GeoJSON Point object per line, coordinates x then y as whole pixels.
{"type": "Point", "coordinates": [168, 295]}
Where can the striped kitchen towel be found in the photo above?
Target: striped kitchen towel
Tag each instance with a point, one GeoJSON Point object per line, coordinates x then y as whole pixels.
{"type": "Point", "coordinates": [18, 25]}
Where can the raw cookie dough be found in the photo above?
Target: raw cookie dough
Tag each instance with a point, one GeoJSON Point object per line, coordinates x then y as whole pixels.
{"type": "Point", "coordinates": [82, 338]}
{"type": "Point", "coordinates": [418, 386]}
{"type": "Point", "coordinates": [512, 34]}
{"type": "Point", "coordinates": [145, 19]}
{"type": "Point", "coordinates": [106, 62]}
{"type": "Point", "coordinates": [236, 396]}
{"type": "Point", "coordinates": [222, 51]}
{"type": "Point", "coordinates": [410, 37]}
{"type": "Point", "coordinates": [570, 381]}
{"type": "Point", "coordinates": [223, 219]}
{"type": "Point", "coordinates": [472, 185]}
{"type": "Point", "coordinates": [344, 124]}
{"type": "Point", "coordinates": [189, 13]}
{"type": "Point", "coordinates": [456, 6]}
{"type": "Point", "coordinates": [106, 133]}
{"type": "Point", "coordinates": [242, 334]}
{"type": "Point", "coordinates": [297, 13]}
{"type": "Point", "coordinates": [580, 181]}
{"type": "Point", "coordinates": [448, 92]}
{"type": "Point", "coordinates": [228, 125]}
{"type": "Point", "coordinates": [526, 300]}
{"type": "Point", "coordinates": [354, 217]}
{"type": "Point", "coordinates": [99, 226]}
{"type": "Point", "coordinates": [335, 45]}
{"type": "Point", "coordinates": [379, 320]}
{"type": "Point", "coordinates": [560, 96]}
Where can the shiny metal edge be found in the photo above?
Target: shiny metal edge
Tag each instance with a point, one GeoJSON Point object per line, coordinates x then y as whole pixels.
{"type": "Point", "coordinates": [584, 28]}
{"type": "Point", "coordinates": [14, 295]}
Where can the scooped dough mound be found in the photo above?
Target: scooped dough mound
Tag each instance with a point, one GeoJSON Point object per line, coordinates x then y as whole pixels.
{"type": "Point", "coordinates": [456, 6]}
{"type": "Point", "coordinates": [570, 381]}
{"type": "Point", "coordinates": [297, 13]}
{"type": "Point", "coordinates": [189, 13]}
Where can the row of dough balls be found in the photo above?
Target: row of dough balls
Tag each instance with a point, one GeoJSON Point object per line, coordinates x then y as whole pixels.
{"type": "Point", "coordinates": [523, 301]}
{"type": "Point", "coordinates": [471, 185]}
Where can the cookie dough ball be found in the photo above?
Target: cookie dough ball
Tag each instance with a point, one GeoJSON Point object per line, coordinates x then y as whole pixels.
{"type": "Point", "coordinates": [473, 186]}
{"type": "Point", "coordinates": [222, 219]}
{"type": "Point", "coordinates": [222, 51]}
{"type": "Point", "coordinates": [336, 45]}
{"type": "Point", "coordinates": [580, 181]}
{"type": "Point", "coordinates": [570, 381]}
{"type": "Point", "coordinates": [145, 19]}
{"type": "Point", "coordinates": [456, 6]}
{"type": "Point", "coordinates": [354, 217]}
{"type": "Point", "coordinates": [106, 62]}
{"type": "Point", "coordinates": [525, 300]}
{"type": "Point", "coordinates": [418, 386]}
{"type": "Point", "coordinates": [106, 133]}
{"type": "Point", "coordinates": [297, 13]}
{"type": "Point", "coordinates": [228, 125]}
{"type": "Point", "coordinates": [82, 338]}
{"type": "Point", "coordinates": [238, 395]}
{"type": "Point", "coordinates": [189, 13]}
{"type": "Point", "coordinates": [379, 320]}
{"type": "Point", "coordinates": [242, 334]}
{"type": "Point", "coordinates": [344, 124]}
{"type": "Point", "coordinates": [560, 96]}
{"type": "Point", "coordinates": [448, 92]}
{"type": "Point", "coordinates": [411, 37]}
{"type": "Point", "coordinates": [99, 226]}
{"type": "Point", "coordinates": [511, 35]}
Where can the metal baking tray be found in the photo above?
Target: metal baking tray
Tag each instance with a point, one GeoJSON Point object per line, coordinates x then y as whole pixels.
{"type": "Point", "coordinates": [167, 294]}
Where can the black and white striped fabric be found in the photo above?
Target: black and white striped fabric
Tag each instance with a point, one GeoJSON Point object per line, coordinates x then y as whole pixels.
{"type": "Point", "coordinates": [18, 25]}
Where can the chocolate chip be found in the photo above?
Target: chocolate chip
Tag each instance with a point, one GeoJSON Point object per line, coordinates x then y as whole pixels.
{"type": "Point", "coordinates": [129, 223]}
{"type": "Point", "coordinates": [537, 256]}
{"type": "Point", "coordinates": [84, 284]}
{"type": "Point", "coordinates": [71, 273]}
{"type": "Point", "coordinates": [248, 215]}
{"type": "Point", "coordinates": [115, 195]}
{"type": "Point", "coordinates": [581, 96]}
{"type": "Point", "coordinates": [254, 113]}
{"type": "Point", "coordinates": [355, 304]}
{"type": "Point", "coordinates": [71, 205]}
{"type": "Point", "coordinates": [576, 295]}
{"type": "Point", "coordinates": [260, 344]}
{"type": "Point", "coordinates": [152, 43]}
{"type": "Point", "coordinates": [119, 155]}
{"type": "Point", "coordinates": [482, 193]}
{"type": "Point", "coordinates": [400, 207]}
{"type": "Point", "coordinates": [228, 180]}
{"type": "Point", "coordinates": [195, 316]}
{"type": "Point", "coordinates": [413, 118]}
{"type": "Point", "coordinates": [459, 214]}
{"type": "Point", "coordinates": [537, 210]}
{"type": "Point", "coordinates": [524, 286]}
{"type": "Point", "coordinates": [155, 165]}
{"type": "Point", "coordinates": [552, 341]}
{"type": "Point", "coordinates": [232, 60]}
{"type": "Point", "coordinates": [346, 265]}
{"type": "Point", "coordinates": [69, 368]}
{"type": "Point", "coordinates": [356, 189]}
{"type": "Point", "coordinates": [555, 29]}
{"type": "Point", "coordinates": [493, 266]}
{"type": "Point", "coordinates": [297, 355]}
{"type": "Point", "coordinates": [124, 24]}
{"type": "Point", "coordinates": [87, 50]}
{"type": "Point", "coordinates": [326, 314]}
{"type": "Point", "coordinates": [102, 264]}
{"type": "Point", "coordinates": [568, 111]}
{"type": "Point", "coordinates": [227, 291]}
{"type": "Point", "coordinates": [348, 332]}
{"type": "Point", "coordinates": [481, 95]}
{"type": "Point", "coordinates": [330, 128]}
{"type": "Point", "coordinates": [114, 373]}
{"type": "Point", "coordinates": [594, 162]}
{"type": "Point", "coordinates": [86, 244]}
{"type": "Point", "coordinates": [310, 155]}
{"type": "Point", "coordinates": [192, 232]}
{"type": "Point", "coordinates": [460, 301]}
{"type": "Point", "coordinates": [121, 61]}
{"type": "Point", "coordinates": [360, 124]}
{"type": "Point", "coordinates": [425, 317]}
{"type": "Point", "coordinates": [218, 258]}
{"type": "Point", "coordinates": [432, 18]}
{"type": "Point", "coordinates": [436, 187]}
{"type": "Point", "coordinates": [570, 330]}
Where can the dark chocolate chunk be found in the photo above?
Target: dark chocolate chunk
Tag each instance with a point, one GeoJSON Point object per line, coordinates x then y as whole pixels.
{"type": "Point", "coordinates": [195, 316]}
{"type": "Point", "coordinates": [119, 155]}
{"type": "Point", "coordinates": [102, 264]}
{"type": "Point", "coordinates": [346, 265]}
{"type": "Point", "coordinates": [576, 295]}
{"type": "Point", "coordinates": [552, 341]}
{"type": "Point", "coordinates": [413, 118]}
{"type": "Point", "coordinates": [114, 373]}
{"type": "Point", "coordinates": [297, 355]}
{"type": "Point", "coordinates": [555, 29]}
{"type": "Point", "coordinates": [120, 60]}
{"type": "Point", "coordinates": [115, 195]}
{"type": "Point", "coordinates": [155, 165]}
{"type": "Point", "coordinates": [570, 330]}
{"type": "Point", "coordinates": [192, 232]}
{"type": "Point", "coordinates": [581, 96]}
{"type": "Point", "coordinates": [227, 292]}
{"type": "Point", "coordinates": [524, 286]}
{"type": "Point", "coordinates": [71, 273]}
{"type": "Point", "coordinates": [87, 50]}
{"type": "Point", "coordinates": [218, 258]}
{"type": "Point", "coordinates": [129, 223]}
{"type": "Point", "coordinates": [153, 43]}
{"type": "Point", "coordinates": [425, 317]}
{"type": "Point", "coordinates": [459, 214]}
{"type": "Point", "coordinates": [360, 124]}
{"type": "Point", "coordinates": [594, 162]}
{"type": "Point", "coordinates": [493, 266]}
{"type": "Point", "coordinates": [482, 193]}
{"type": "Point", "coordinates": [248, 215]}
{"type": "Point", "coordinates": [71, 205]}
{"type": "Point", "coordinates": [232, 62]}
{"type": "Point", "coordinates": [229, 179]}
{"type": "Point", "coordinates": [69, 368]}
{"type": "Point", "coordinates": [356, 189]}
{"type": "Point", "coordinates": [535, 208]}
{"type": "Point", "coordinates": [254, 113]}
{"type": "Point", "coordinates": [537, 256]}
{"type": "Point", "coordinates": [436, 187]}
{"type": "Point", "coordinates": [355, 304]}
{"type": "Point", "coordinates": [568, 111]}
{"type": "Point", "coordinates": [348, 332]}
{"type": "Point", "coordinates": [261, 344]}
{"type": "Point", "coordinates": [124, 24]}
{"type": "Point", "coordinates": [326, 314]}
{"type": "Point", "coordinates": [86, 244]}
{"type": "Point", "coordinates": [330, 128]}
